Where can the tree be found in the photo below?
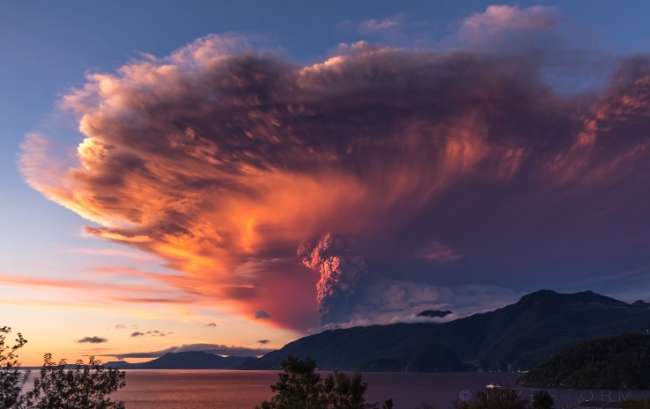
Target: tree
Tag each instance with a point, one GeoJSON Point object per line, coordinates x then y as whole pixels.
{"type": "Point", "coordinates": [80, 386]}
{"type": "Point", "coordinates": [59, 386]}
{"type": "Point", "coordinates": [300, 387]}
{"type": "Point", "coordinates": [543, 400]}
{"type": "Point", "coordinates": [495, 399]}
{"type": "Point", "coordinates": [11, 379]}
{"type": "Point", "coordinates": [343, 392]}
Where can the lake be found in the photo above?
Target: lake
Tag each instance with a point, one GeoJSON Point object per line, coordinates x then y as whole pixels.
{"type": "Point", "coordinates": [224, 389]}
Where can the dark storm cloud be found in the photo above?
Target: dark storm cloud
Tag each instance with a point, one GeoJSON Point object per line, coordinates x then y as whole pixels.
{"type": "Point", "coordinates": [405, 178]}
{"type": "Point", "coordinates": [262, 315]}
{"type": "Point", "coordinates": [92, 340]}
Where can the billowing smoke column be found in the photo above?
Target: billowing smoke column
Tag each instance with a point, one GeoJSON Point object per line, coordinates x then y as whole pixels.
{"type": "Point", "coordinates": [436, 170]}
{"type": "Point", "coordinates": [340, 272]}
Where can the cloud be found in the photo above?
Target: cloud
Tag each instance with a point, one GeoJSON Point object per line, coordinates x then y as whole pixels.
{"type": "Point", "coordinates": [92, 340]}
{"type": "Point", "coordinates": [340, 269]}
{"type": "Point", "coordinates": [262, 315]}
{"type": "Point", "coordinates": [137, 256]}
{"type": "Point", "coordinates": [157, 333]}
{"type": "Point", "coordinates": [263, 341]}
{"type": "Point", "coordinates": [500, 19]}
{"type": "Point", "coordinates": [398, 30]}
{"type": "Point", "coordinates": [211, 324]}
{"type": "Point", "coordinates": [374, 25]}
{"type": "Point", "coordinates": [532, 31]}
{"type": "Point", "coordinates": [130, 293]}
{"type": "Point", "coordinates": [436, 251]}
{"type": "Point", "coordinates": [217, 349]}
{"type": "Point", "coordinates": [8, 279]}
{"type": "Point", "coordinates": [120, 326]}
{"type": "Point", "coordinates": [153, 333]}
{"type": "Point", "coordinates": [438, 170]}
{"type": "Point", "coordinates": [152, 300]}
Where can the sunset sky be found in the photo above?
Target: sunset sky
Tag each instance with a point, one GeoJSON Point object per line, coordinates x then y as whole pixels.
{"type": "Point", "coordinates": [232, 175]}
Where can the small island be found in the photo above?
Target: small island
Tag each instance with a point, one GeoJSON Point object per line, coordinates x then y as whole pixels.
{"type": "Point", "coordinates": [621, 362]}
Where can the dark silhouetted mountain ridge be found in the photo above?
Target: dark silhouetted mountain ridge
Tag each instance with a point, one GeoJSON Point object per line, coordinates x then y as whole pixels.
{"type": "Point", "coordinates": [518, 336]}
{"type": "Point", "coordinates": [186, 360]}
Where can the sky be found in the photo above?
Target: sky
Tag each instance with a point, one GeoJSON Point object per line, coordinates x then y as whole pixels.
{"type": "Point", "coordinates": [230, 176]}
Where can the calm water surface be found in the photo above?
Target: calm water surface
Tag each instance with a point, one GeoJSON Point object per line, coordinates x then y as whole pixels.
{"type": "Point", "coordinates": [222, 389]}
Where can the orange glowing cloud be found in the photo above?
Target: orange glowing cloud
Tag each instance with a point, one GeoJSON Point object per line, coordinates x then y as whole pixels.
{"type": "Point", "coordinates": [134, 292]}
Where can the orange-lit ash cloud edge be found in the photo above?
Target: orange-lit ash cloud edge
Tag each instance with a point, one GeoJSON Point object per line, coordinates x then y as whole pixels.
{"type": "Point", "coordinates": [373, 184]}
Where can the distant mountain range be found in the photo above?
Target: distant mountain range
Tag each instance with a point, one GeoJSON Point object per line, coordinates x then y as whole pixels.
{"type": "Point", "coordinates": [518, 336]}
{"type": "Point", "coordinates": [186, 360]}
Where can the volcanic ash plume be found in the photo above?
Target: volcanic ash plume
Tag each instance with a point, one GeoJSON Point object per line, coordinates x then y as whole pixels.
{"type": "Point", "coordinates": [340, 273]}
{"type": "Point", "coordinates": [448, 168]}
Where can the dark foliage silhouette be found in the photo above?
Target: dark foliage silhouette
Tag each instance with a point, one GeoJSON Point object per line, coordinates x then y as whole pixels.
{"type": "Point", "coordinates": [543, 400]}
{"type": "Point", "coordinates": [58, 385]}
{"type": "Point", "coordinates": [78, 386]}
{"type": "Point", "coordinates": [299, 386]}
{"type": "Point", "coordinates": [11, 379]}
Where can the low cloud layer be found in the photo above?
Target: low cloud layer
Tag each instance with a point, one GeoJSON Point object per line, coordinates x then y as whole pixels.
{"type": "Point", "coordinates": [92, 340]}
{"type": "Point", "coordinates": [152, 333]}
{"type": "Point", "coordinates": [378, 181]}
{"type": "Point", "coordinates": [216, 349]}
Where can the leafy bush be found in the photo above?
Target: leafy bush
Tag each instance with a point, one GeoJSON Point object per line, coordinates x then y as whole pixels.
{"type": "Point", "coordinates": [11, 379]}
{"type": "Point", "coordinates": [79, 386]}
{"type": "Point", "coordinates": [543, 400]}
{"type": "Point", "coordinates": [59, 386]}
{"type": "Point", "coordinates": [300, 387]}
